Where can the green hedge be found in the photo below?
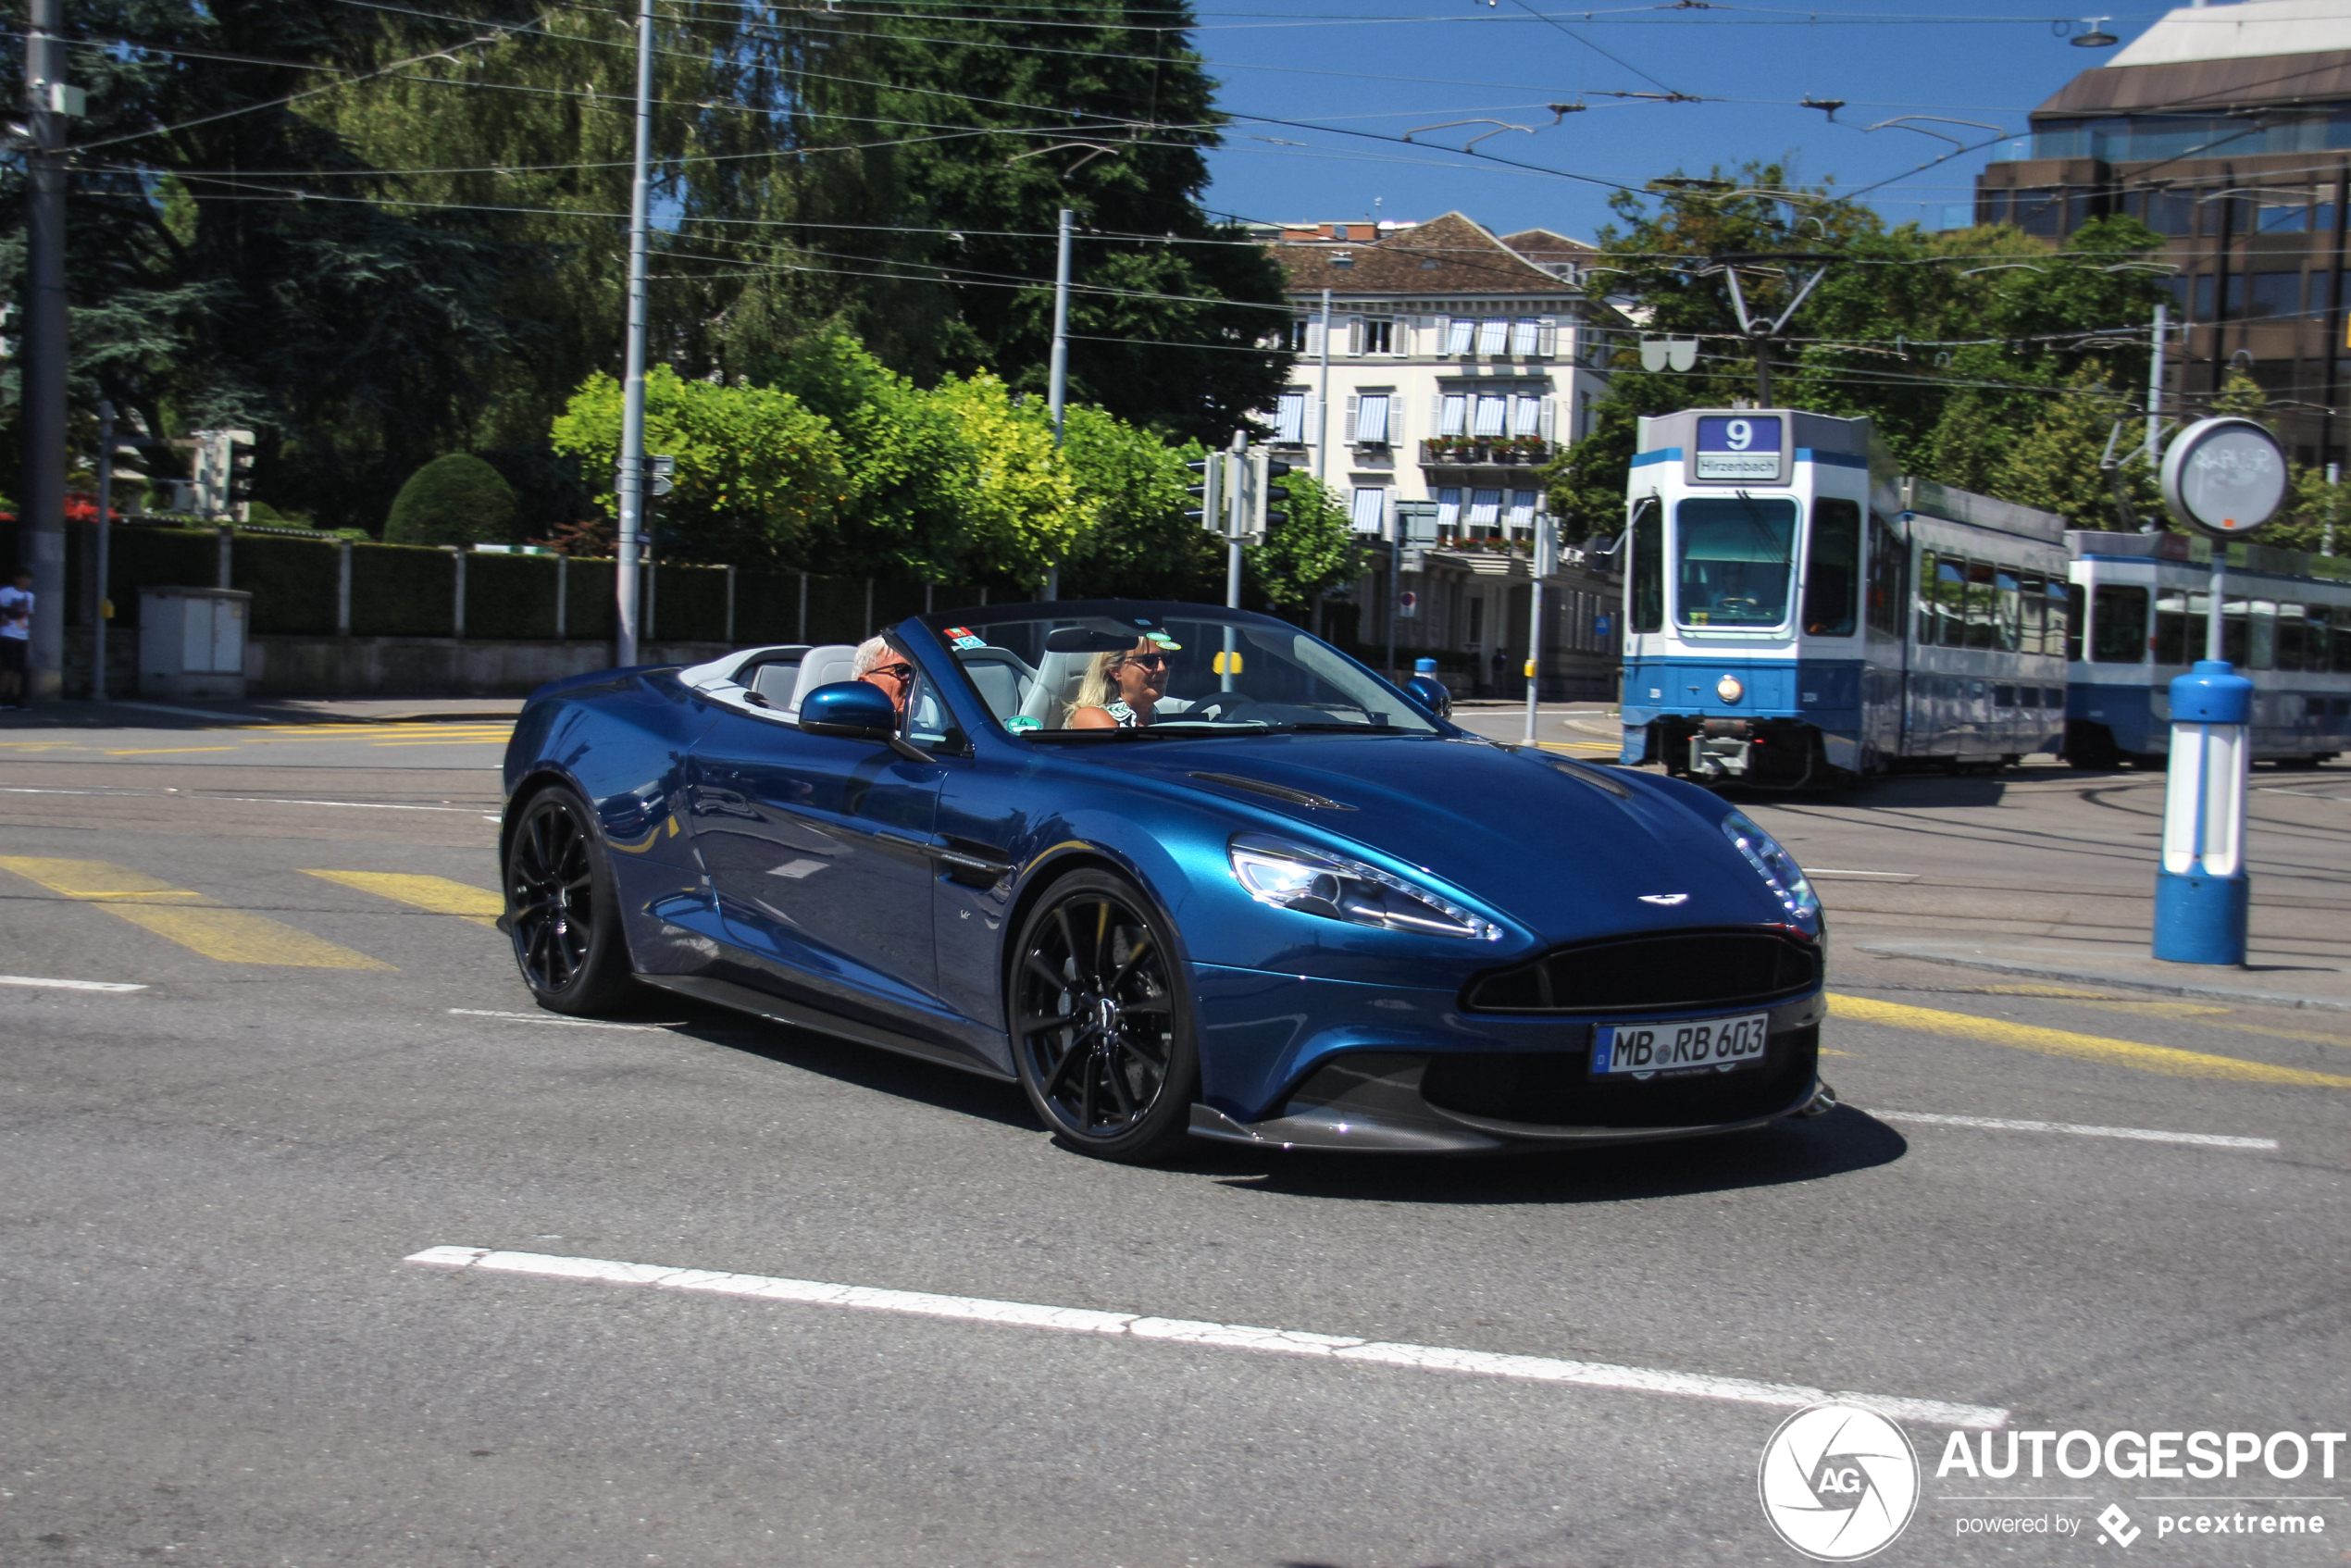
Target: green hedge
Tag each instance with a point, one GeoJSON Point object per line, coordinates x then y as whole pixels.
{"type": "Point", "coordinates": [292, 583]}
{"type": "Point", "coordinates": [588, 594]}
{"type": "Point", "coordinates": [402, 591]}
{"type": "Point", "coordinates": [690, 604]}
{"type": "Point", "coordinates": [510, 597]}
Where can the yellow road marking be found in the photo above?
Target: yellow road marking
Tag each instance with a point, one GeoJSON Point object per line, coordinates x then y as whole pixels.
{"type": "Point", "coordinates": [2212, 1017]}
{"type": "Point", "coordinates": [230, 935]}
{"type": "Point", "coordinates": [438, 894]}
{"type": "Point", "coordinates": [2085, 1047]}
{"type": "Point", "coordinates": [455, 740]}
{"type": "Point", "coordinates": [166, 751]}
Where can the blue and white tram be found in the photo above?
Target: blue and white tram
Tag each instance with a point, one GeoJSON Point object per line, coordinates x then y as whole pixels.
{"type": "Point", "coordinates": [2147, 596]}
{"type": "Point", "coordinates": [1790, 622]}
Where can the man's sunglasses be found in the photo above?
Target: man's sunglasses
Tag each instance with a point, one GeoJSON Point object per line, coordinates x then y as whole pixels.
{"type": "Point", "coordinates": [901, 672]}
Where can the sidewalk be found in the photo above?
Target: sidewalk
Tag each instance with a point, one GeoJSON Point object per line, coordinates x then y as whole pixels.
{"type": "Point", "coordinates": [143, 713]}
{"type": "Point", "coordinates": [2298, 980]}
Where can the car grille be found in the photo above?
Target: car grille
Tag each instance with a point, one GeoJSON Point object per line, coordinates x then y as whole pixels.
{"type": "Point", "coordinates": [1673, 970]}
{"type": "Point", "coordinates": [1551, 1089]}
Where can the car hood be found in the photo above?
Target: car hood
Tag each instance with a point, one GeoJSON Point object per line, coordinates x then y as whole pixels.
{"type": "Point", "coordinates": [1567, 850]}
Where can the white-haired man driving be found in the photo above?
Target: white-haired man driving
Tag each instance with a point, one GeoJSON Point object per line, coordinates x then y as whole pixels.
{"type": "Point", "coordinates": [880, 661]}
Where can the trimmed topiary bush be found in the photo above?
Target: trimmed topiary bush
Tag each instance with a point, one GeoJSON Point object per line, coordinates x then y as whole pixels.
{"type": "Point", "coordinates": [455, 499]}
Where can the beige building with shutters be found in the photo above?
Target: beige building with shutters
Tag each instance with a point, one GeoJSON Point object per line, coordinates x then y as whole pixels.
{"type": "Point", "coordinates": [1459, 362]}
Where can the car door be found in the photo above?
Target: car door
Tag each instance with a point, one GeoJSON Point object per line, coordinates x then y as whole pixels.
{"type": "Point", "coordinates": [818, 850]}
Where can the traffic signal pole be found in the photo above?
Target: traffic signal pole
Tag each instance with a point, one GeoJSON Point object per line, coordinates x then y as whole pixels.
{"type": "Point", "coordinates": [102, 608]}
{"type": "Point", "coordinates": [43, 483]}
{"type": "Point", "coordinates": [631, 477]}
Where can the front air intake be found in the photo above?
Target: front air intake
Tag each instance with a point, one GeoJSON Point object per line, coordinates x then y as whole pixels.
{"type": "Point", "coordinates": [1668, 972]}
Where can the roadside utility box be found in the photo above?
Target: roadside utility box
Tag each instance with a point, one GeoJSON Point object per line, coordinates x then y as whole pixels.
{"type": "Point", "coordinates": [192, 641]}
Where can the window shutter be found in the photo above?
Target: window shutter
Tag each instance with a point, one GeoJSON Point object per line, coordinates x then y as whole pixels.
{"type": "Point", "coordinates": [1444, 334]}
{"type": "Point", "coordinates": [1549, 419]}
{"type": "Point", "coordinates": [1546, 336]}
{"type": "Point", "coordinates": [1349, 437]}
{"type": "Point", "coordinates": [1436, 414]}
{"type": "Point", "coordinates": [1355, 334]}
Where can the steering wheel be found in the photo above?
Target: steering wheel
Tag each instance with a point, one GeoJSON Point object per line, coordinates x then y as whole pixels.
{"type": "Point", "coordinates": [1220, 705]}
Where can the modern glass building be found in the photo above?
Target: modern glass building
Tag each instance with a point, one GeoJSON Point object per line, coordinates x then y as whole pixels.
{"type": "Point", "coordinates": [2227, 128]}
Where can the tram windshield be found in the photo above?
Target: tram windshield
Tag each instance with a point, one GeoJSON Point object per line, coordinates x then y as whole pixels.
{"type": "Point", "coordinates": [1736, 555]}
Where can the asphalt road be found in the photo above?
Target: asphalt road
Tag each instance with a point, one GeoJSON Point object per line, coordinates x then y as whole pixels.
{"type": "Point", "coordinates": [212, 1350]}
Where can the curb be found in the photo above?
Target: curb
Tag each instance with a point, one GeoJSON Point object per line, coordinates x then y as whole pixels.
{"type": "Point", "coordinates": [1926, 955]}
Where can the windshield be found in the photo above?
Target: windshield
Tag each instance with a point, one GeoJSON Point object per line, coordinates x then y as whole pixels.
{"type": "Point", "coordinates": [1734, 557]}
{"type": "Point", "coordinates": [1129, 670]}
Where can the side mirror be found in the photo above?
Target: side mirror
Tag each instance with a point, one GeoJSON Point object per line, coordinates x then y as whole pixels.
{"type": "Point", "coordinates": [1431, 694]}
{"type": "Point", "coordinates": [855, 710]}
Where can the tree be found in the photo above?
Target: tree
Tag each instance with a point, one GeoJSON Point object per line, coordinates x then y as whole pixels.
{"type": "Point", "coordinates": [1139, 544]}
{"type": "Point", "coordinates": [457, 499]}
{"type": "Point", "coordinates": [758, 476]}
{"type": "Point", "coordinates": [1951, 344]}
{"type": "Point", "coordinates": [2055, 465]}
{"type": "Point", "coordinates": [1314, 550]}
{"type": "Point", "coordinates": [1020, 511]}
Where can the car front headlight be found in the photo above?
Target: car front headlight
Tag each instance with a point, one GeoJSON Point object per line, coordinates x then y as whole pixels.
{"type": "Point", "coordinates": [1316, 882]}
{"type": "Point", "coordinates": [1776, 866]}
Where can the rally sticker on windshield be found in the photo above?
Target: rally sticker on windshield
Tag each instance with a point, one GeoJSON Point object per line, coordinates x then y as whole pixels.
{"type": "Point", "coordinates": [960, 637]}
{"type": "Point", "coordinates": [1020, 724]}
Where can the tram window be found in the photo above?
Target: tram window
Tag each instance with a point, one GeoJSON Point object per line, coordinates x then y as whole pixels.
{"type": "Point", "coordinates": [1924, 611]}
{"type": "Point", "coordinates": [2179, 627]}
{"type": "Point", "coordinates": [2004, 696]}
{"type": "Point", "coordinates": [2033, 616]}
{"type": "Point", "coordinates": [2292, 619]}
{"type": "Point", "coordinates": [1736, 554]}
{"type": "Point", "coordinates": [2237, 633]}
{"type": "Point", "coordinates": [1648, 588]}
{"type": "Point", "coordinates": [1832, 570]}
{"type": "Point", "coordinates": [2264, 639]}
{"type": "Point", "coordinates": [2339, 639]}
{"type": "Point", "coordinates": [1886, 560]}
{"type": "Point", "coordinates": [2119, 624]}
{"type": "Point", "coordinates": [2317, 648]}
{"type": "Point", "coordinates": [2027, 696]}
{"type": "Point", "coordinates": [1945, 580]}
{"type": "Point", "coordinates": [2011, 613]}
{"type": "Point", "coordinates": [1983, 606]}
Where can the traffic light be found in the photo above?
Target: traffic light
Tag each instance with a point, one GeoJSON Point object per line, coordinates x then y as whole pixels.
{"type": "Point", "coordinates": [1210, 513]}
{"type": "Point", "coordinates": [239, 472]}
{"type": "Point", "coordinates": [1265, 471]}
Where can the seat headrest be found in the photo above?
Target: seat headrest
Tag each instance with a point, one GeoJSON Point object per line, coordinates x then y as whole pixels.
{"type": "Point", "coordinates": [822, 666]}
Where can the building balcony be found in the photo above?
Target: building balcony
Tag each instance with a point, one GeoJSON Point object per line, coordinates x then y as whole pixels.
{"type": "Point", "coordinates": [1483, 452]}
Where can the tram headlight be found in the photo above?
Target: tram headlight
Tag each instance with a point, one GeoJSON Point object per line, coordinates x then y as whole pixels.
{"type": "Point", "coordinates": [1776, 866]}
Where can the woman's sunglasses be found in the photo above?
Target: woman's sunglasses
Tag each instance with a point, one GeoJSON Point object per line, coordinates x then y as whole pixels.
{"type": "Point", "coordinates": [1148, 661]}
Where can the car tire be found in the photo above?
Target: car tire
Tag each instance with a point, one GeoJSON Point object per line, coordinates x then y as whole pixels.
{"type": "Point", "coordinates": [1101, 1022]}
{"type": "Point", "coordinates": [563, 910]}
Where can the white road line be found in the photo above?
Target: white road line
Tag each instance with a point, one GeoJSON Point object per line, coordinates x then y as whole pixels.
{"type": "Point", "coordinates": [1872, 876]}
{"type": "Point", "coordinates": [567, 1023]}
{"type": "Point", "coordinates": [192, 795]}
{"type": "Point", "coordinates": [1222, 1336]}
{"type": "Point", "coordinates": [70, 985]}
{"type": "Point", "coordinates": [2145, 1135]}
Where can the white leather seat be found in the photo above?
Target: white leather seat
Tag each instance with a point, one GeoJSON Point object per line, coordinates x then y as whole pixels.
{"type": "Point", "coordinates": [822, 666]}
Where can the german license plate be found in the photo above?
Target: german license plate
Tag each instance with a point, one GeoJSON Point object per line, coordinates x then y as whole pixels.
{"type": "Point", "coordinates": [1690, 1045]}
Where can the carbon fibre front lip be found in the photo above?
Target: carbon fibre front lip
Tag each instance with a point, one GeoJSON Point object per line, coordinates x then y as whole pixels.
{"type": "Point", "coordinates": [1379, 1109]}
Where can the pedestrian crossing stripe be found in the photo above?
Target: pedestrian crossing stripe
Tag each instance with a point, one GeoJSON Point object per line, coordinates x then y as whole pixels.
{"type": "Point", "coordinates": [180, 915]}
{"type": "Point", "coordinates": [438, 894]}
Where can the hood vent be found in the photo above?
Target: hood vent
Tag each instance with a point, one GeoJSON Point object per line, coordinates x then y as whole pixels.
{"type": "Point", "coordinates": [1282, 793]}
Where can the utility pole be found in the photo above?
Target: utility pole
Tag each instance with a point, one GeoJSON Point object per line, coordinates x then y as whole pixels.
{"type": "Point", "coordinates": [48, 99]}
{"type": "Point", "coordinates": [1323, 396]}
{"type": "Point", "coordinates": [101, 609]}
{"type": "Point", "coordinates": [2334, 504]}
{"type": "Point", "coordinates": [631, 477]}
{"type": "Point", "coordinates": [1546, 562]}
{"type": "Point", "coordinates": [1057, 382]}
{"type": "Point", "coordinates": [2155, 386]}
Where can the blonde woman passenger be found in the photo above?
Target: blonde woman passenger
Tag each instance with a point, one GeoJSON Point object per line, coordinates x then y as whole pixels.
{"type": "Point", "coordinates": [1124, 689]}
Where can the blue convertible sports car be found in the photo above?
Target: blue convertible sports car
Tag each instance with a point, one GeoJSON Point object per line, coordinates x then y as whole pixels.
{"type": "Point", "coordinates": [1177, 870]}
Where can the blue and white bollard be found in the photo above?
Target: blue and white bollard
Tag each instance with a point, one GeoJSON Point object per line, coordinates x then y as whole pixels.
{"type": "Point", "coordinates": [2201, 893]}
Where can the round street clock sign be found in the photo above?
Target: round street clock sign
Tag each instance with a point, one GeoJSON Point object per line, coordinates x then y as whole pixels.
{"type": "Point", "coordinates": [2224, 477]}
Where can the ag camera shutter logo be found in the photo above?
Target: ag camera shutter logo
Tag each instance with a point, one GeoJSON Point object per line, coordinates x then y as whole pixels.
{"type": "Point", "coordinates": [1838, 1482]}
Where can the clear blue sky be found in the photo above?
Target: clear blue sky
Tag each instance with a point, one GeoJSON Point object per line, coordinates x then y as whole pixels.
{"type": "Point", "coordinates": [1390, 66]}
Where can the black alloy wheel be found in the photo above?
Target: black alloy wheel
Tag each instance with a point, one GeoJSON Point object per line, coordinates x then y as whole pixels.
{"type": "Point", "coordinates": [1101, 1031]}
{"type": "Point", "coordinates": [565, 920]}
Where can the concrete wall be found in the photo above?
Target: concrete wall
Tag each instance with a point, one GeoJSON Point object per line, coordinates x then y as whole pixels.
{"type": "Point", "coordinates": [431, 666]}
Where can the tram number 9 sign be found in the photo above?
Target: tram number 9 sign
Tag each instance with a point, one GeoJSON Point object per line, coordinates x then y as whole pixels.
{"type": "Point", "coordinates": [2224, 478]}
{"type": "Point", "coordinates": [1749, 447]}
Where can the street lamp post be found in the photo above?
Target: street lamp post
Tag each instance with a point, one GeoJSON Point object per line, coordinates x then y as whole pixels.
{"type": "Point", "coordinates": [631, 476]}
